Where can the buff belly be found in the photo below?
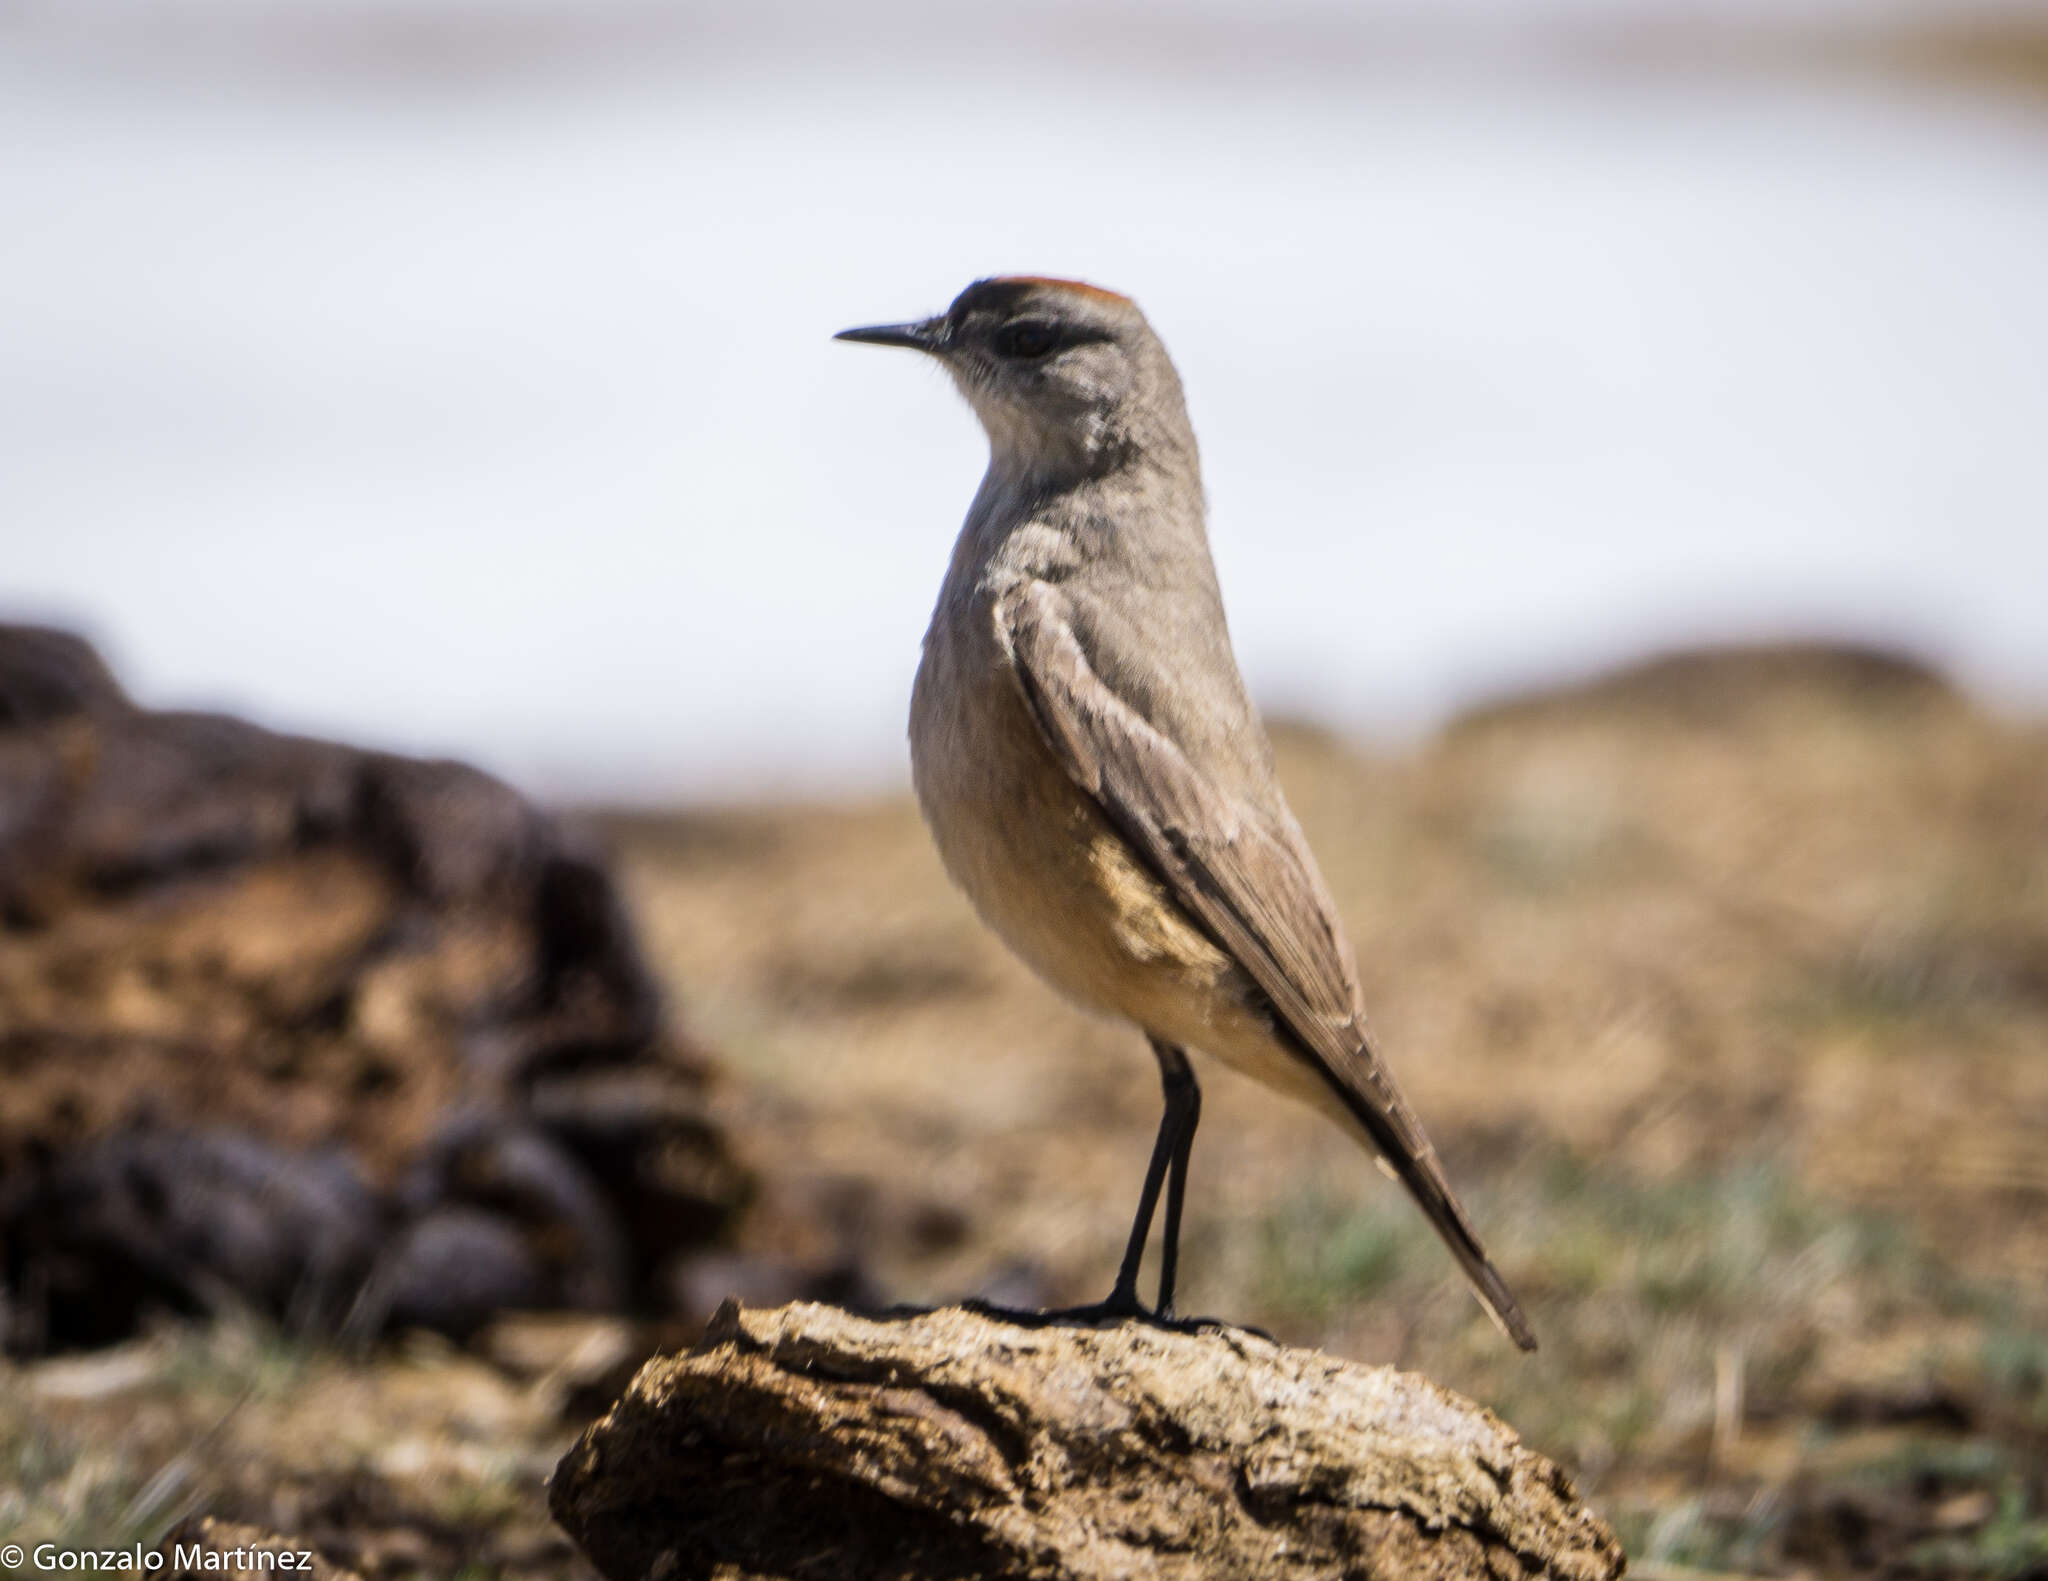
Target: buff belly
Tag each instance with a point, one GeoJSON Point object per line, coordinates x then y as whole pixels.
{"type": "Point", "coordinates": [1063, 889]}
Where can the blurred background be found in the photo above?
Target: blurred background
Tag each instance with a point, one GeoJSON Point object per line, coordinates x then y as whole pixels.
{"type": "Point", "coordinates": [1623, 423]}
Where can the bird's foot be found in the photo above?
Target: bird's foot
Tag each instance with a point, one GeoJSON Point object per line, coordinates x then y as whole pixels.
{"type": "Point", "coordinates": [1119, 1306]}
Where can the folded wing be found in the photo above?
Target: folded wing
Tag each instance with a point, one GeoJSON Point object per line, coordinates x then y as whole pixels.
{"type": "Point", "coordinates": [1250, 883]}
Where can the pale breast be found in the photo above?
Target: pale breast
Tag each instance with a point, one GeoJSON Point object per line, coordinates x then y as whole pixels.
{"type": "Point", "coordinates": [1040, 861]}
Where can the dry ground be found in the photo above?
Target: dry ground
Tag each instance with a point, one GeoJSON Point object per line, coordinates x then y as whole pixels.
{"type": "Point", "coordinates": [1723, 987]}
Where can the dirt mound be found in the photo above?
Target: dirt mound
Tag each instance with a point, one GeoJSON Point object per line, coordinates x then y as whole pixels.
{"type": "Point", "coordinates": [338, 1035]}
{"type": "Point", "coordinates": [1731, 686]}
{"type": "Point", "coordinates": [955, 1443]}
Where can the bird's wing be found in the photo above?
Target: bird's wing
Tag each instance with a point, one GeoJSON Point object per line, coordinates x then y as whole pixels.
{"type": "Point", "coordinates": [1251, 886]}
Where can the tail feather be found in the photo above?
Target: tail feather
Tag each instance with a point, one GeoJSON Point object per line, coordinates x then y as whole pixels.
{"type": "Point", "coordinates": [1425, 1181]}
{"type": "Point", "coordinates": [1405, 1153]}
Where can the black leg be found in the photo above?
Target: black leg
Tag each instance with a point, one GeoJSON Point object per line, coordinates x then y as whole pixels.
{"type": "Point", "coordinates": [1168, 1168]}
{"type": "Point", "coordinates": [1183, 1114]}
{"type": "Point", "coordinates": [1123, 1297]}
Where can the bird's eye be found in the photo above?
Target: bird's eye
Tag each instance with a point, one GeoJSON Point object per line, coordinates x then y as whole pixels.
{"type": "Point", "coordinates": [1030, 338]}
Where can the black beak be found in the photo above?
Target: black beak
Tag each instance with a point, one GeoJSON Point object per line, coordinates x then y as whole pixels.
{"type": "Point", "coordinates": [927, 336]}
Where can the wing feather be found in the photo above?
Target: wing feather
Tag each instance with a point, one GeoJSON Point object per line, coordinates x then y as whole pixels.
{"type": "Point", "coordinates": [1247, 879]}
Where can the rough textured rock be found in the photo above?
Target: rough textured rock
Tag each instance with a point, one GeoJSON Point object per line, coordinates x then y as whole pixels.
{"type": "Point", "coordinates": [807, 1443]}
{"type": "Point", "coordinates": [339, 1035]}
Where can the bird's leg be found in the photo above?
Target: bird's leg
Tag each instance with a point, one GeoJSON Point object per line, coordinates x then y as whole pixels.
{"type": "Point", "coordinates": [1170, 1156]}
{"type": "Point", "coordinates": [1123, 1296]}
{"type": "Point", "coordinates": [1183, 1114]}
{"type": "Point", "coordinates": [1168, 1168]}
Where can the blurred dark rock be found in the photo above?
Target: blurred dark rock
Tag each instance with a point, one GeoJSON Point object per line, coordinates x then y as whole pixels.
{"type": "Point", "coordinates": [189, 1220]}
{"type": "Point", "coordinates": [451, 1270]}
{"type": "Point", "coordinates": [330, 1034]}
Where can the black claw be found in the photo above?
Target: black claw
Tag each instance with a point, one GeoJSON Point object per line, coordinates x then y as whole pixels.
{"type": "Point", "coordinates": [1117, 1307]}
{"type": "Point", "coordinates": [1121, 1305]}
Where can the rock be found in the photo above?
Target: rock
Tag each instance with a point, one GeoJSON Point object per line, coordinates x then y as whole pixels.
{"type": "Point", "coordinates": [283, 1022]}
{"type": "Point", "coordinates": [451, 1270]}
{"type": "Point", "coordinates": [806, 1443]}
{"type": "Point", "coordinates": [188, 1219]}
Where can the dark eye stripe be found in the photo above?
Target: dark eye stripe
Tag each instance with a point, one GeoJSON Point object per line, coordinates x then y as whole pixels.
{"type": "Point", "coordinates": [1027, 338]}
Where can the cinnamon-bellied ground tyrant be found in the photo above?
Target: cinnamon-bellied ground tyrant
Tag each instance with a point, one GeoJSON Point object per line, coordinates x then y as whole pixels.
{"type": "Point", "coordinates": [1092, 770]}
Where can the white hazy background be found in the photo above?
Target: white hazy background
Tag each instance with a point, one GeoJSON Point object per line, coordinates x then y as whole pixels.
{"type": "Point", "coordinates": [457, 377]}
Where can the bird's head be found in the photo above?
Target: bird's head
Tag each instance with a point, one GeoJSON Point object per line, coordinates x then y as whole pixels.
{"type": "Point", "coordinates": [1064, 376]}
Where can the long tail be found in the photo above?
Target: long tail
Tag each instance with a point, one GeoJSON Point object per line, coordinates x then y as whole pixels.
{"type": "Point", "coordinates": [1405, 1153]}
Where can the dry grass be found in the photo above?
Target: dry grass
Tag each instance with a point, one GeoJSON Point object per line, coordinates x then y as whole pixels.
{"type": "Point", "coordinates": [418, 1461]}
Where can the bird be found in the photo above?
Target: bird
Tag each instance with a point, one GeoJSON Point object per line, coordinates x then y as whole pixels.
{"type": "Point", "coordinates": [1094, 773]}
